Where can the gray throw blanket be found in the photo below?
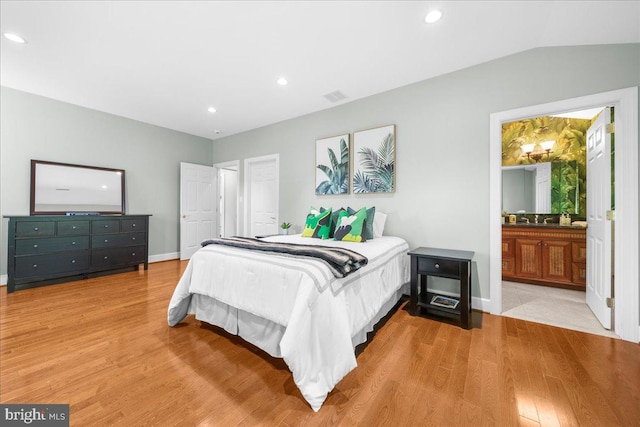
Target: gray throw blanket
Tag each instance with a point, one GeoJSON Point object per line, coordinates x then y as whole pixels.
{"type": "Point", "coordinates": [342, 262]}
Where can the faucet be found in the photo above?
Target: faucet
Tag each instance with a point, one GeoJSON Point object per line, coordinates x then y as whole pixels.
{"type": "Point", "coordinates": [547, 219]}
{"type": "Point", "coordinates": [525, 219]}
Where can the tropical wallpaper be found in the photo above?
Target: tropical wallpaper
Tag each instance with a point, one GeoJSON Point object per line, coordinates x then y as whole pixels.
{"type": "Point", "coordinates": [568, 156]}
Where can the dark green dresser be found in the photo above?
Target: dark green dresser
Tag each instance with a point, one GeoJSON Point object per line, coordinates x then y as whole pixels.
{"type": "Point", "coordinates": [46, 249]}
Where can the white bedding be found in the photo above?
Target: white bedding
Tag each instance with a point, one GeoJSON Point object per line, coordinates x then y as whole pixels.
{"type": "Point", "coordinates": [295, 308]}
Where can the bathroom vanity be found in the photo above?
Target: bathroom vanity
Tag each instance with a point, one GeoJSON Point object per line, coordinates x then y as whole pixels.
{"type": "Point", "coordinates": [545, 254]}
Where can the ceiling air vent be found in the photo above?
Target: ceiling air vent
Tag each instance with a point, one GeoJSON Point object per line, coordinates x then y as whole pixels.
{"type": "Point", "coordinates": [335, 96]}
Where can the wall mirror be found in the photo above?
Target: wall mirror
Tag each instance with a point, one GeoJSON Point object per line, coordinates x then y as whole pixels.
{"type": "Point", "coordinates": [543, 188]}
{"type": "Point", "coordinates": [61, 188]}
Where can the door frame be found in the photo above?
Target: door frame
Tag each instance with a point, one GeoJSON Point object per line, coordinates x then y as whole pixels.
{"type": "Point", "coordinates": [233, 165]}
{"type": "Point", "coordinates": [626, 272]}
{"type": "Point", "coordinates": [248, 164]}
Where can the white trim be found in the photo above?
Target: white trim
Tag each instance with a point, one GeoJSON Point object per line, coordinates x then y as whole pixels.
{"type": "Point", "coordinates": [627, 278]}
{"type": "Point", "coordinates": [247, 188]}
{"type": "Point", "coordinates": [3, 280]}
{"type": "Point", "coordinates": [232, 165]}
{"type": "Point", "coordinates": [164, 257]}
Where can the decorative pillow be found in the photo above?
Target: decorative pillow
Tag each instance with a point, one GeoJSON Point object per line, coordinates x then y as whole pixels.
{"type": "Point", "coordinates": [317, 224]}
{"type": "Point", "coordinates": [334, 220]}
{"type": "Point", "coordinates": [378, 224]}
{"type": "Point", "coordinates": [369, 225]}
{"type": "Point", "coordinates": [350, 228]}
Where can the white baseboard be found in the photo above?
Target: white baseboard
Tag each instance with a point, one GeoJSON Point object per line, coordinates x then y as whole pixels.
{"type": "Point", "coordinates": [164, 257]}
{"type": "Point", "coordinates": [3, 280]}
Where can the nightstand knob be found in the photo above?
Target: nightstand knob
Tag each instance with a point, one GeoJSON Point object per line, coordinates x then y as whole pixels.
{"type": "Point", "coordinates": [106, 257]}
{"type": "Point", "coordinates": [106, 226]}
{"type": "Point", "coordinates": [133, 254]}
{"type": "Point", "coordinates": [73, 243]}
{"type": "Point", "coordinates": [73, 261]}
{"type": "Point", "coordinates": [35, 246]}
{"type": "Point", "coordinates": [106, 240]}
{"type": "Point", "coordinates": [133, 225]}
{"type": "Point", "coordinates": [437, 265]}
{"type": "Point", "coordinates": [74, 227]}
{"type": "Point", "coordinates": [35, 229]}
{"type": "Point", "coordinates": [35, 265]}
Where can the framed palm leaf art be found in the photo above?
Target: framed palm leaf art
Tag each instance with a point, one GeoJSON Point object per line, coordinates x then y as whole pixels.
{"type": "Point", "coordinates": [374, 161]}
{"type": "Point", "coordinates": [332, 165]}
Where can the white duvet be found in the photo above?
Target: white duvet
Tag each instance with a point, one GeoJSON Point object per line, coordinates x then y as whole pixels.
{"type": "Point", "coordinates": [321, 317]}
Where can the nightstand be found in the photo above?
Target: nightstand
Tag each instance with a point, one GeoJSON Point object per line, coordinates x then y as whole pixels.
{"type": "Point", "coordinates": [447, 263]}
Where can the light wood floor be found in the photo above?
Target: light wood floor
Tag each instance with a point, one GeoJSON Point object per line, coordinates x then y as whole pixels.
{"type": "Point", "coordinates": [103, 346]}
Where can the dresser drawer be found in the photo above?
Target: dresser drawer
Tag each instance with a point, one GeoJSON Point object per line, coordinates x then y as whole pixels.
{"type": "Point", "coordinates": [35, 228]}
{"type": "Point", "coordinates": [138, 224]}
{"type": "Point", "coordinates": [51, 244]}
{"type": "Point", "coordinates": [115, 257]}
{"type": "Point", "coordinates": [120, 239]}
{"type": "Point", "coordinates": [51, 264]}
{"type": "Point", "coordinates": [440, 267]}
{"type": "Point", "coordinates": [105, 226]}
{"type": "Point", "coordinates": [73, 228]}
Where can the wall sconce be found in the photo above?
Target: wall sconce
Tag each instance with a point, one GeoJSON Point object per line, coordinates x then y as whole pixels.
{"type": "Point", "coordinates": [537, 155]}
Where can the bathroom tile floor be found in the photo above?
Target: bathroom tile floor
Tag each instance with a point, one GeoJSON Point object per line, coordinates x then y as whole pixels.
{"type": "Point", "coordinates": [565, 308]}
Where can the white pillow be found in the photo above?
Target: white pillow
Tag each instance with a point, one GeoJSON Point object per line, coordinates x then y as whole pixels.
{"type": "Point", "coordinates": [379, 219]}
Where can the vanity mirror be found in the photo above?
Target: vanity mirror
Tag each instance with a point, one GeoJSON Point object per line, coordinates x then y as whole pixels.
{"type": "Point", "coordinates": [543, 188]}
{"type": "Point", "coordinates": [60, 188]}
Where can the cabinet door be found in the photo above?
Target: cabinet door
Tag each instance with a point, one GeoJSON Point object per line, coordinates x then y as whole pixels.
{"type": "Point", "coordinates": [556, 261]}
{"type": "Point", "coordinates": [529, 258]}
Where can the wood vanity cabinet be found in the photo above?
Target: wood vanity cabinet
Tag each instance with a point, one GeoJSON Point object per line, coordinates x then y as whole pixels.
{"type": "Point", "coordinates": [542, 255]}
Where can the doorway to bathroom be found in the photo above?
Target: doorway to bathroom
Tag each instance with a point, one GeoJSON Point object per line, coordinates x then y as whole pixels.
{"type": "Point", "coordinates": [626, 315]}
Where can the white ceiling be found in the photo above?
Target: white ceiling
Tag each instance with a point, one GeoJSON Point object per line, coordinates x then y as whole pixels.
{"type": "Point", "coordinates": [166, 62]}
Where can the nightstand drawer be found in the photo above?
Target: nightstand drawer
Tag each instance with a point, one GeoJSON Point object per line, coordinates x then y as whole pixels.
{"type": "Point", "coordinates": [439, 267]}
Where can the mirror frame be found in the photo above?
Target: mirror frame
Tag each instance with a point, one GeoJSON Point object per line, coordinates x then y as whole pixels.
{"type": "Point", "coordinates": [34, 166]}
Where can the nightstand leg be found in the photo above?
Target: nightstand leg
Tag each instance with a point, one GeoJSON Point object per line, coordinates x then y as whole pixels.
{"type": "Point", "coordinates": [413, 299]}
{"type": "Point", "coordinates": [465, 294]}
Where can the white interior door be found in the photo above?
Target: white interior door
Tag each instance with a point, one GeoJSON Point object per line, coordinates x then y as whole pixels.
{"type": "Point", "coordinates": [197, 207]}
{"type": "Point", "coordinates": [599, 281]}
{"type": "Point", "coordinates": [262, 195]}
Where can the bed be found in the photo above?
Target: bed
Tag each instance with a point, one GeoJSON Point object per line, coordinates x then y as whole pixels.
{"type": "Point", "coordinates": [295, 308]}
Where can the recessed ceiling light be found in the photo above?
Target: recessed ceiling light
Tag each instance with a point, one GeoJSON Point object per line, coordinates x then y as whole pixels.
{"type": "Point", "coordinates": [433, 16]}
{"type": "Point", "coordinates": [211, 110]}
{"type": "Point", "coordinates": [14, 37]}
{"type": "Point", "coordinates": [282, 81]}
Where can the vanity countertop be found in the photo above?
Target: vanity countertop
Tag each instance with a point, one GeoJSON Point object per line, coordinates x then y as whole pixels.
{"type": "Point", "coordinates": [540, 225]}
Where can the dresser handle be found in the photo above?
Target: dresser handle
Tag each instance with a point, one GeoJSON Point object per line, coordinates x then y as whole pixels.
{"type": "Point", "coordinates": [106, 257]}
{"type": "Point", "coordinates": [106, 226]}
{"type": "Point", "coordinates": [437, 265]}
{"type": "Point", "coordinates": [74, 227]}
{"type": "Point", "coordinates": [133, 254]}
{"type": "Point", "coordinates": [73, 261]}
{"type": "Point", "coordinates": [35, 229]}
{"type": "Point", "coordinates": [35, 265]}
{"type": "Point", "coordinates": [73, 243]}
{"type": "Point", "coordinates": [133, 225]}
{"type": "Point", "coordinates": [106, 241]}
{"type": "Point", "coordinates": [35, 246]}
{"type": "Point", "coordinates": [133, 238]}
